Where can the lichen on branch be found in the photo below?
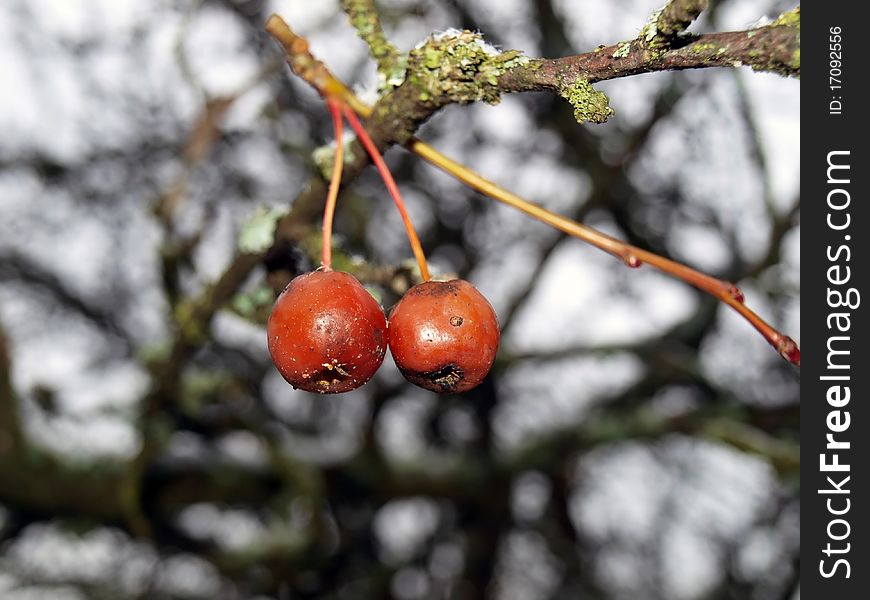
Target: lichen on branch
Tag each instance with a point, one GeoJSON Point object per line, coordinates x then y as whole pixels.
{"type": "Point", "coordinates": [675, 17]}
{"type": "Point", "coordinates": [450, 67]}
{"type": "Point", "coordinates": [589, 104]}
{"type": "Point", "coordinates": [391, 63]}
{"type": "Point", "coordinates": [773, 48]}
{"type": "Point", "coordinates": [792, 20]}
{"type": "Point", "coordinates": [459, 67]}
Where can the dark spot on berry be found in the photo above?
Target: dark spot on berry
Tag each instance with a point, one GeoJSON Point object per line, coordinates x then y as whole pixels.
{"type": "Point", "coordinates": [443, 336]}
{"type": "Point", "coordinates": [330, 376]}
{"type": "Point", "coordinates": [446, 377]}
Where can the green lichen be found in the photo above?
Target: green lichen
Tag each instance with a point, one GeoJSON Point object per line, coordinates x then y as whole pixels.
{"type": "Point", "coordinates": [622, 50]}
{"type": "Point", "coordinates": [764, 59]}
{"type": "Point", "coordinates": [391, 62]}
{"type": "Point", "coordinates": [393, 75]}
{"type": "Point", "coordinates": [253, 305]}
{"type": "Point", "coordinates": [705, 48]}
{"type": "Point", "coordinates": [650, 31]}
{"type": "Point", "coordinates": [791, 18]}
{"type": "Point", "coordinates": [785, 61]}
{"type": "Point", "coordinates": [366, 24]}
{"type": "Point", "coordinates": [324, 156]}
{"type": "Point", "coordinates": [589, 104]}
{"type": "Point", "coordinates": [459, 67]}
{"type": "Point", "coordinates": [258, 232]}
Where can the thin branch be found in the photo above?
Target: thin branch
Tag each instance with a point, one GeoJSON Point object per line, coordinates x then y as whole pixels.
{"type": "Point", "coordinates": [780, 225]}
{"type": "Point", "coordinates": [204, 134]}
{"type": "Point", "coordinates": [781, 222]}
{"type": "Point", "coordinates": [613, 176]}
{"type": "Point", "coordinates": [11, 436]}
{"type": "Point", "coordinates": [15, 266]}
{"type": "Point", "coordinates": [364, 18]}
{"type": "Point", "coordinates": [676, 16]}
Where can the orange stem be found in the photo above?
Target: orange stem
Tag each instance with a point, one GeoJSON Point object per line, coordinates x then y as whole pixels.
{"type": "Point", "coordinates": [334, 182]}
{"type": "Point", "coordinates": [632, 256]}
{"type": "Point", "coordinates": [393, 189]}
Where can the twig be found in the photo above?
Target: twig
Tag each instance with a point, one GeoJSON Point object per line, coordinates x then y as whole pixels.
{"type": "Point", "coordinates": [676, 16]}
{"type": "Point", "coordinates": [11, 436]}
{"type": "Point", "coordinates": [18, 266]}
{"type": "Point", "coordinates": [632, 256]}
{"type": "Point", "coordinates": [364, 18]}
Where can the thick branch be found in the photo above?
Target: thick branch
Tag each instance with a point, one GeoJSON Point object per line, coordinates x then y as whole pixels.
{"type": "Point", "coordinates": [461, 68]}
{"type": "Point", "coordinates": [774, 48]}
{"type": "Point", "coordinates": [48, 486]}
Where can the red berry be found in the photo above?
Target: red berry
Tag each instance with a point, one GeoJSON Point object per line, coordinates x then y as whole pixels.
{"type": "Point", "coordinates": [327, 334]}
{"type": "Point", "coordinates": [444, 335]}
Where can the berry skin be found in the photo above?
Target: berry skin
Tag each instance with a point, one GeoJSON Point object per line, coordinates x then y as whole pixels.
{"type": "Point", "coordinates": [327, 334]}
{"type": "Point", "coordinates": [444, 335]}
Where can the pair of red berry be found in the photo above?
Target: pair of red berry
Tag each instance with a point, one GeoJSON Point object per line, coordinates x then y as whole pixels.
{"type": "Point", "coordinates": [327, 334]}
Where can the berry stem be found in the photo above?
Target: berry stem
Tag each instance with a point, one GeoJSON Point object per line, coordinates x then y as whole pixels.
{"type": "Point", "coordinates": [334, 182]}
{"type": "Point", "coordinates": [632, 256]}
{"type": "Point", "coordinates": [384, 171]}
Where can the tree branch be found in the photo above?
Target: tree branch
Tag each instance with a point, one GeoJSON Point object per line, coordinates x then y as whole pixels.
{"type": "Point", "coordinates": [773, 48]}
{"type": "Point", "coordinates": [724, 424]}
{"type": "Point", "coordinates": [676, 16]}
{"type": "Point", "coordinates": [364, 18]}
{"type": "Point", "coordinates": [11, 436]}
{"type": "Point", "coordinates": [16, 266]}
